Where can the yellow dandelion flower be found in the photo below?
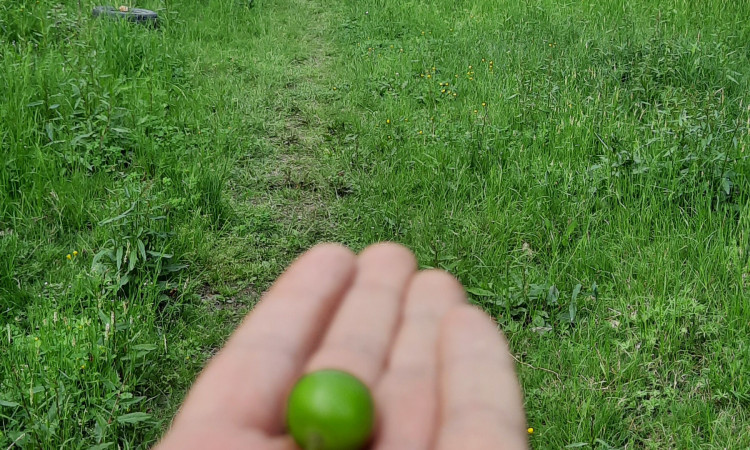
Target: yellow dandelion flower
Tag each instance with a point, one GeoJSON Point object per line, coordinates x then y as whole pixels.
{"type": "Point", "coordinates": [476, 111]}
{"type": "Point", "coordinates": [388, 121]}
{"type": "Point", "coordinates": [442, 91]}
{"type": "Point", "coordinates": [75, 252]}
{"type": "Point", "coordinates": [530, 431]}
{"type": "Point", "coordinates": [420, 131]}
{"type": "Point", "coordinates": [484, 104]}
{"type": "Point", "coordinates": [69, 256]}
{"type": "Point", "coordinates": [454, 94]}
{"type": "Point", "coordinates": [429, 76]}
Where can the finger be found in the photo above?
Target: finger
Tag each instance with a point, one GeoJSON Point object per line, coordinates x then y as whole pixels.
{"type": "Point", "coordinates": [246, 382]}
{"type": "Point", "coordinates": [407, 393]}
{"type": "Point", "coordinates": [362, 330]}
{"type": "Point", "coordinates": [481, 406]}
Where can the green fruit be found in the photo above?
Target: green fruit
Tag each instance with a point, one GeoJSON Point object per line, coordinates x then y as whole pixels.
{"type": "Point", "coordinates": [330, 410]}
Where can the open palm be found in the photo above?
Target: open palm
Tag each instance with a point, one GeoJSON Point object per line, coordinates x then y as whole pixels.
{"type": "Point", "coordinates": [439, 370]}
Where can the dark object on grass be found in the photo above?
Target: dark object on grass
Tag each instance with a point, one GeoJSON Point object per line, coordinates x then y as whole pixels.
{"type": "Point", "coordinates": [137, 15]}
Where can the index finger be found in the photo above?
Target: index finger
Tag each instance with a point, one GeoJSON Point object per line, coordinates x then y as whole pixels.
{"type": "Point", "coordinates": [246, 382]}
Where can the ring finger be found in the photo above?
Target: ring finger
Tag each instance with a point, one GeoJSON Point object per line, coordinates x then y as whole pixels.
{"type": "Point", "coordinates": [407, 392]}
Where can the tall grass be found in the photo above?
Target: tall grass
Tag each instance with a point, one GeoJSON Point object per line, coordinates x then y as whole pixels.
{"type": "Point", "coordinates": [582, 168]}
{"type": "Point", "coordinates": [105, 183]}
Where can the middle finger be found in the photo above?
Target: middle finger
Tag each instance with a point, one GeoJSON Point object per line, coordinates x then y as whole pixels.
{"type": "Point", "coordinates": [360, 335]}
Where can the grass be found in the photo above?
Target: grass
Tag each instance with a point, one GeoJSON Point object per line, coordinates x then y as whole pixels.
{"type": "Point", "coordinates": [581, 167]}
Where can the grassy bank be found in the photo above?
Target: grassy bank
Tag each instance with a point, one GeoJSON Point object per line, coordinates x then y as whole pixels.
{"type": "Point", "coordinates": [582, 168]}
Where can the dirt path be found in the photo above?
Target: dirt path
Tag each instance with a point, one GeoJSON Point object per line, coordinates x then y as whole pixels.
{"type": "Point", "coordinates": [282, 184]}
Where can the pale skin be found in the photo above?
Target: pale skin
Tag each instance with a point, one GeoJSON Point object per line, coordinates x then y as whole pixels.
{"type": "Point", "coordinates": [439, 369]}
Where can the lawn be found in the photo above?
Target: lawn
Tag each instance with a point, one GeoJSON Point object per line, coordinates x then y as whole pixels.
{"type": "Point", "coordinates": [580, 166]}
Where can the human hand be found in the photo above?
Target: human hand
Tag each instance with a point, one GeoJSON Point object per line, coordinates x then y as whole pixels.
{"type": "Point", "coordinates": [439, 370]}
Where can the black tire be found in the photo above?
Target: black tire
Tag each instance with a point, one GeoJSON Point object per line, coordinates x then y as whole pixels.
{"type": "Point", "coordinates": [137, 15]}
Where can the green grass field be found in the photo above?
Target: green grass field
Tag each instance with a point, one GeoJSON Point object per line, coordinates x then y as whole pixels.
{"type": "Point", "coordinates": [580, 166]}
